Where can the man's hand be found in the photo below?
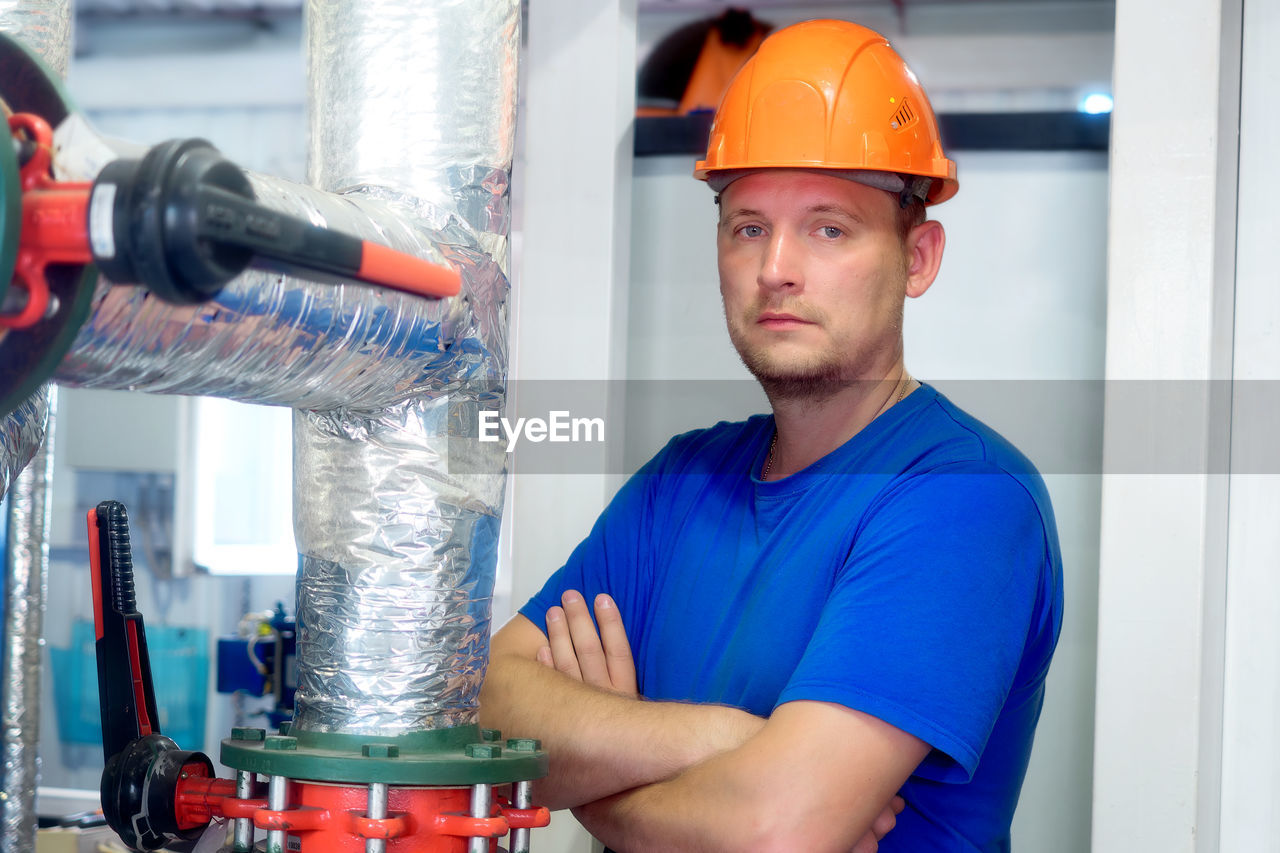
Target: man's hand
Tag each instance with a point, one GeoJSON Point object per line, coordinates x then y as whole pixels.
{"type": "Point", "coordinates": [575, 648]}
{"type": "Point", "coordinates": [603, 659]}
{"type": "Point", "coordinates": [887, 820]}
{"type": "Point", "coordinates": [601, 740]}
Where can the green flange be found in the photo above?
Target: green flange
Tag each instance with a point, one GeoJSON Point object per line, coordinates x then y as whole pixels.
{"type": "Point", "coordinates": [28, 357]}
{"type": "Point", "coordinates": [27, 85]}
{"type": "Point", "coordinates": [462, 755]}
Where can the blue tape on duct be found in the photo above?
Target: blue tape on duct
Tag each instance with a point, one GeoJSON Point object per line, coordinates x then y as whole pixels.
{"type": "Point", "coordinates": [179, 671]}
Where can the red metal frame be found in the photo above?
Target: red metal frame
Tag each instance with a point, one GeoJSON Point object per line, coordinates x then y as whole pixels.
{"type": "Point", "coordinates": [330, 818]}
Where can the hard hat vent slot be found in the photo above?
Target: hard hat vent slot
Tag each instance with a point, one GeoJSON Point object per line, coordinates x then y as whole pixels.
{"type": "Point", "coordinates": [904, 117]}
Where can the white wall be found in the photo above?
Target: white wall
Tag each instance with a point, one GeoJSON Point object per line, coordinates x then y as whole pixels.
{"type": "Point", "coordinates": [1251, 787]}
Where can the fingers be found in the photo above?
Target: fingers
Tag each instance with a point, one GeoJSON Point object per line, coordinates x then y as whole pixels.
{"type": "Point", "coordinates": [561, 644]}
{"type": "Point", "coordinates": [575, 648]}
{"type": "Point", "coordinates": [617, 650]}
{"type": "Point", "coordinates": [586, 642]}
{"type": "Point", "coordinates": [866, 844]}
{"type": "Point", "coordinates": [887, 819]}
{"type": "Point", "coordinates": [880, 827]}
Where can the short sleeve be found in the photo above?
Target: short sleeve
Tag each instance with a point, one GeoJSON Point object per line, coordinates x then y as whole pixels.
{"type": "Point", "coordinates": [929, 616]}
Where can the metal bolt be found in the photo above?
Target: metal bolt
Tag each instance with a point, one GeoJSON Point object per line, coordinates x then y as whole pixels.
{"type": "Point", "coordinates": [380, 750]}
{"type": "Point", "coordinates": [277, 791]}
{"type": "Point", "coordinates": [482, 750]}
{"type": "Point", "coordinates": [280, 742]}
{"type": "Point", "coordinates": [286, 727]}
{"type": "Point", "coordinates": [481, 805]}
{"type": "Point", "coordinates": [242, 837]}
{"type": "Point", "coordinates": [524, 744]}
{"type": "Point", "coordinates": [248, 734]}
{"type": "Point", "coordinates": [490, 735]}
{"type": "Point", "coordinates": [522, 798]}
{"type": "Point", "coordinates": [377, 809]}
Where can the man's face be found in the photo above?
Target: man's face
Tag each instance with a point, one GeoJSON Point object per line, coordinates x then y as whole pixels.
{"type": "Point", "coordinates": [813, 275]}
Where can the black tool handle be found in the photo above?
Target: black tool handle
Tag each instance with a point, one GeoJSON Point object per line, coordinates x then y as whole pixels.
{"type": "Point", "coordinates": [125, 692]}
{"type": "Point", "coordinates": [183, 221]}
{"type": "Point", "coordinates": [225, 217]}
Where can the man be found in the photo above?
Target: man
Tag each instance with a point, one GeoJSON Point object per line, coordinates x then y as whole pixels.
{"type": "Point", "coordinates": [852, 599]}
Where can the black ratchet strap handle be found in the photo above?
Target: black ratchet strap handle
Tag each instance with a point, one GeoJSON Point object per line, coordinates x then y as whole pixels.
{"type": "Point", "coordinates": [143, 767]}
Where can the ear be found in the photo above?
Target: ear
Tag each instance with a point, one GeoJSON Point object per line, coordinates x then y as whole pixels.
{"type": "Point", "coordinates": [925, 243]}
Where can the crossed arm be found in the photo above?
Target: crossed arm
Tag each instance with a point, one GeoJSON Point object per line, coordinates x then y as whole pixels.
{"type": "Point", "coordinates": [645, 775]}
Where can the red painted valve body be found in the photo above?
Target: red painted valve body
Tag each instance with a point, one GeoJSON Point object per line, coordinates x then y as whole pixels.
{"type": "Point", "coordinates": [329, 818]}
{"type": "Point", "coordinates": [54, 223]}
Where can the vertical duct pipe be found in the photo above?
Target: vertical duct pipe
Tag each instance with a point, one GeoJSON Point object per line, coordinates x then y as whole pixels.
{"type": "Point", "coordinates": [25, 587]}
{"type": "Point", "coordinates": [21, 432]}
{"type": "Point", "coordinates": [46, 28]}
{"type": "Point", "coordinates": [396, 511]}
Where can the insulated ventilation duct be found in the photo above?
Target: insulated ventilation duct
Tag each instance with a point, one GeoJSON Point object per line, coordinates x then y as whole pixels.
{"type": "Point", "coordinates": [396, 510]}
{"type": "Point", "coordinates": [26, 464]}
{"type": "Point", "coordinates": [413, 116]}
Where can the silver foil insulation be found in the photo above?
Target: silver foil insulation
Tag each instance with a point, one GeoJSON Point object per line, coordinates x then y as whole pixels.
{"type": "Point", "coordinates": [277, 339]}
{"type": "Point", "coordinates": [43, 26]}
{"type": "Point", "coordinates": [397, 573]}
{"type": "Point", "coordinates": [21, 432]}
{"type": "Point", "coordinates": [420, 96]}
{"type": "Point", "coordinates": [25, 591]}
{"type": "Point", "coordinates": [396, 511]}
{"type": "Point", "coordinates": [26, 464]}
{"type": "Point", "coordinates": [412, 117]}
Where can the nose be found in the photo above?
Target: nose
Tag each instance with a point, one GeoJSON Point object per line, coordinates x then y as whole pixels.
{"type": "Point", "coordinates": [780, 266]}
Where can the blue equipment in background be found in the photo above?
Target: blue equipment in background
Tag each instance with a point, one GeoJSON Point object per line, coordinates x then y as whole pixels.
{"type": "Point", "coordinates": [262, 661]}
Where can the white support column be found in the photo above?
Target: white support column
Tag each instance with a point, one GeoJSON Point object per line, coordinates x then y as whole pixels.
{"type": "Point", "coordinates": [571, 281]}
{"type": "Point", "coordinates": [1162, 591]}
{"type": "Point", "coordinates": [1251, 704]}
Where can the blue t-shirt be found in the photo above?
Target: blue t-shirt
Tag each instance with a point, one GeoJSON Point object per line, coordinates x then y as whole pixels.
{"type": "Point", "coordinates": [913, 574]}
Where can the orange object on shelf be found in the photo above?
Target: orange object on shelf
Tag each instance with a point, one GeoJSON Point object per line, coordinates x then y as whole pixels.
{"type": "Point", "coordinates": [729, 42]}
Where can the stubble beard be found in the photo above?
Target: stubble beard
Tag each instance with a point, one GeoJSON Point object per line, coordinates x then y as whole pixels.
{"type": "Point", "coordinates": [816, 379]}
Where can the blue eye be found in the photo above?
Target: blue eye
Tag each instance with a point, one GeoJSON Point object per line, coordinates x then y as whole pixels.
{"type": "Point", "coordinates": [831, 232]}
{"type": "Point", "coordinates": [751, 231]}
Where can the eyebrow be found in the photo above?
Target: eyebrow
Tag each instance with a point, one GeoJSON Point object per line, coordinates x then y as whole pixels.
{"type": "Point", "coordinates": [835, 208]}
{"type": "Point", "coordinates": [737, 212]}
{"type": "Point", "coordinates": [817, 208]}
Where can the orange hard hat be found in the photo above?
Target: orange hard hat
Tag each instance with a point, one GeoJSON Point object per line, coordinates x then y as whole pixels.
{"type": "Point", "coordinates": [832, 96]}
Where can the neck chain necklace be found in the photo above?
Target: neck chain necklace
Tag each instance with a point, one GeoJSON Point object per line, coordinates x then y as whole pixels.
{"type": "Point", "coordinates": [773, 442]}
